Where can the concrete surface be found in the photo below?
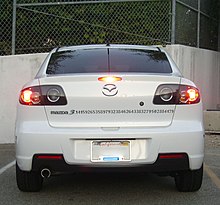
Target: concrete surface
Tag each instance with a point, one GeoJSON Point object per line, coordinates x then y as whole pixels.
{"type": "Point", "coordinates": [113, 189]}
{"type": "Point", "coordinates": [15, 71]}
{"type": "Point", "coordinates": [199, 65]}
{"type": "Point", "coordinates": [212, 121]}
{"type": "Point", "coordinates": [203, 68]}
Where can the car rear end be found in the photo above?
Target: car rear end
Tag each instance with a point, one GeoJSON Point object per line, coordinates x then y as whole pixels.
{"type": "Point", "coordinates": [107, 108]}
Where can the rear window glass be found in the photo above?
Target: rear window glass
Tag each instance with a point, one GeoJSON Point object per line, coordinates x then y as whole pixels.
{"type": "Point", "coordinates": [108, 60]}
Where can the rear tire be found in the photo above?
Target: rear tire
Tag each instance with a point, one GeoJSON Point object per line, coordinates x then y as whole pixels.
{"type": "Point", "coordinates": [28, 181]}
{"type": "Point", "coordinates": [189, 181]}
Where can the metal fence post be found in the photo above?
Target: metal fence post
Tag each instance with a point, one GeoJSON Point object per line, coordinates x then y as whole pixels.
{"type": "Point", "coordinates": [219, 33]}
{"type": "Point", "coordinates": [13, 27]}
{"type": "Point", "coordinates": [198, 25]}
{"type": "Point", "coordinates": [173, 28]}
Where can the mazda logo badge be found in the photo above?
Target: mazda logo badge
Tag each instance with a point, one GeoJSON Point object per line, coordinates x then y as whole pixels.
{"type": "Point", "coordinates": [109, 90]}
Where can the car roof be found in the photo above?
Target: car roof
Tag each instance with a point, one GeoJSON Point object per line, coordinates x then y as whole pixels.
{"type": "Point", "coordinates": [96, 46]}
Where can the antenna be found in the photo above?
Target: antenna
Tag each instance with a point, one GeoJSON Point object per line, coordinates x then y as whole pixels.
{"type": "Point", "coordinates": [158, 49]}
{"type": "Point", "coordinates": [57, 49]}
{"type": "Point", "coordinates": [108, 59]}
{"type": "Point", "coordinates": [107, 42]}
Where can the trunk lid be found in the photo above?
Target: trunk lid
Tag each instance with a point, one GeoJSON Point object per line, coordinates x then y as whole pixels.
{"type": "Point", "coordinates": [125, 103]}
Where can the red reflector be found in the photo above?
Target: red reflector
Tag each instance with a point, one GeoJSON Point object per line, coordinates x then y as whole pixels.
{"type": "Point", "coordinates": [109, 79]}
{"type": "Point", "coordinates": [172, 156]}
{"type": "Point", "coordinates": [50, 157]}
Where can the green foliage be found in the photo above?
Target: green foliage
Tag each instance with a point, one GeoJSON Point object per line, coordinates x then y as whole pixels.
{"type": "Point", "coordinates": [40, 28]}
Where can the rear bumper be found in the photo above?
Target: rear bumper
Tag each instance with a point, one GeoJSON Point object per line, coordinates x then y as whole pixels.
{"type": "Point", "coordinates": [57, 166]}
{"type": "Point", "coordinates": [74, 145]}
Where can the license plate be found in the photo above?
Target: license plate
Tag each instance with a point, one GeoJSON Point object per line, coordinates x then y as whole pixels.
{"type": "Point", "coordinates": [110, 151]}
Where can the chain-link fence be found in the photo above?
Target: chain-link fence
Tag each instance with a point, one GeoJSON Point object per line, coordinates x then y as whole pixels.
{"type": "Point", "coordinates": [197, 23]}
{"type": "Point", "coordinates": [30, 26]}
{"type": "Point", "coordinates": [6, 8]}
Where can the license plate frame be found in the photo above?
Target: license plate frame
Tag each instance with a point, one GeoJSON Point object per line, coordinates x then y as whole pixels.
{"type": "Point", "coordinates": [111, 151]}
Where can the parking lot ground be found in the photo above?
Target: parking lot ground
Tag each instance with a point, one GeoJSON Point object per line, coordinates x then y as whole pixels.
{"type": "Point", "coordinates": [113, 189]}
{"type": "Point", "coordinates": [7, 154]}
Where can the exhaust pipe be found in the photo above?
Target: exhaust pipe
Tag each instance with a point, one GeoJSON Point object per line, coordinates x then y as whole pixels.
{"type": "Point", "coordinates": [45, 173]}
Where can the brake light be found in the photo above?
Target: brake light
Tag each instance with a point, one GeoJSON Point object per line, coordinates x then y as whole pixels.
{"type": "Point", "coordinates": [43, 95]}
{"type": "Point", "coordinates": [26, 96]}
{"type": "Point", "coordinates": [30, 96]}
{"type": "Point", "coordinates": [176, 94]}
{"type": "Point", "coordinates": [193, 94]}
{"type": "Point", "coordinates": [109, 79]}
{"type": "Point", "coordinates": [189, 95]}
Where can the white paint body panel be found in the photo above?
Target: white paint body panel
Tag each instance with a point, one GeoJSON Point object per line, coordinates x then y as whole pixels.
{"type": "Point", "coordinates": [37, 131]}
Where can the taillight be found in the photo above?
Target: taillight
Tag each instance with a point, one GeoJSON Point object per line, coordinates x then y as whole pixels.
{"type": "Point", "coordinates": [188, 95]}
{"type": "Point", "coordinates": [43, 95]}
{"type": "Point", "coordinates": [53, 95]}
{"type": "Point", "coordinates": [176, 94]}
{"type": "Point", "coordinates": [26, 96]}
{"type": "Point", "coordinates": [109, 79]}
{"type": "Point", "coordinates": [30, 96]}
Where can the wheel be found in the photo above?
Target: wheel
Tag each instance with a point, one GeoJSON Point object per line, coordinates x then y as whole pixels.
{"type": "Point", "coordinates": [28, 181]}
{"type": "Point", "coordinates": [189, 181]}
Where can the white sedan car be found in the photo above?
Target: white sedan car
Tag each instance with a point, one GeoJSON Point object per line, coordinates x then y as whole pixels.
{"type": "Point", "coordinates": [109, 108]}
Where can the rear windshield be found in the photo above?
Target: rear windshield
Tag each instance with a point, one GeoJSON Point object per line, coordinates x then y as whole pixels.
{"type": "Point", "coordinates": [108, 60]}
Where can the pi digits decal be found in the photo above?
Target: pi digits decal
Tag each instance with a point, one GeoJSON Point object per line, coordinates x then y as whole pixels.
{"type": "Point", "coordinates": [113, 112]}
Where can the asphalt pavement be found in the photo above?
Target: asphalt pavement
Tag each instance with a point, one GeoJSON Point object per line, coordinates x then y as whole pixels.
{"type": "Point", "coordinates": [114, 189]}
